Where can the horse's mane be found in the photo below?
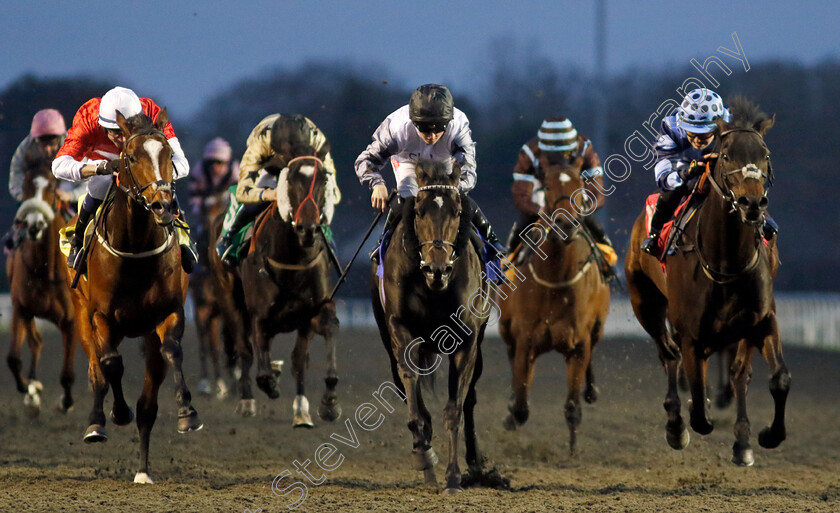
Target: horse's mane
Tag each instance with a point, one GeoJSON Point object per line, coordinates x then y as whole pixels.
{"type": "Point", "coordinates": [745, 113]}
{"type": "Point", "coordinates": [436, 171]}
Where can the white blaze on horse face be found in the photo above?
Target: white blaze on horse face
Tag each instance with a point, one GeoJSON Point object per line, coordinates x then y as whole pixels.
{"type": "Point", "coordinates": [284, 204]}
{"type": "Point", "coordinates": [41, 183]}
{"type": "Point", "coordinates": [750, 171]}
{"type": "Point", "coordinates": [563, 178]}
{"type": "Point", "coordinates": [438, 201]}
{"type": "Point", "coordinates": [153, 148]}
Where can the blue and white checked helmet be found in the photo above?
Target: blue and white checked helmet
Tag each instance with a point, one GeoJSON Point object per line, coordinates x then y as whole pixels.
{"type": "Point", "coordinates": [699, 110]}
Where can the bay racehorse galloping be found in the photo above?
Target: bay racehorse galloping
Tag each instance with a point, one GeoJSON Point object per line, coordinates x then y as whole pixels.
{"type": "Point", "coordinates": [286, 281]}
{"type": "Point", "coordinates": [432, 281]}
{"type": "Point", "coordinates": [561, 305]}
{"type": "Point", "coordinates": [719, 287]}
{"type": "Point", "coordinates": [136, 287]}
{"type": "Point", "coordinates": [38, 283]}
{"type": "Point", "coordinates": [215, 311]}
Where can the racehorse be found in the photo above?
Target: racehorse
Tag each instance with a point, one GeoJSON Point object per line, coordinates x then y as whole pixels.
{"type": "Point", "coordinates": [38, 283]}
{"type": "Point", "coordinates": [286, 283]}
{"type": "Point", "coordinates": [561, 305]}
{"type": "Point", "coordinates": [719, 286]}
{"type": "Point", "coordinates": [432, 277]}
{"type": "Point", "coordinates": [214, 306]}
{"type": "Point", "coordinates": [135, 287]}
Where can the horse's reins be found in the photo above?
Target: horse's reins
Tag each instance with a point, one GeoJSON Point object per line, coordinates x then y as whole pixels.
{"type": "Point", "coordinates": [438, 243]}
{"type": "Point", "coordinates": [729, 197]}
{"type": "Point", "coordinates": [136, 190]}
{"type": "Point", "coordinates": [309, 196]}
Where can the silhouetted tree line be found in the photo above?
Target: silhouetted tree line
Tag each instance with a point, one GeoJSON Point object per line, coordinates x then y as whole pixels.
{"type": "Point", "coordinates": [349, 102]}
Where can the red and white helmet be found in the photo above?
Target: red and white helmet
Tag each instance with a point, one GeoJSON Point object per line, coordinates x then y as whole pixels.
{"type": "Point", "coordinates": [47, 122]}
{"type": "Point", "coordinates": [118, 99]}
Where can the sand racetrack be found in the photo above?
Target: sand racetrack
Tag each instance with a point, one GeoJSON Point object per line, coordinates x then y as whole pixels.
{"type": "Point", "coordinates": [623, 465]}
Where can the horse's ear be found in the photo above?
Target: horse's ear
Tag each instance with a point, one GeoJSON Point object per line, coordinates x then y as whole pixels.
{"type": "Point", "coordinates": [420, 173]}
{"type": "Point", "coordinates": [162, 119]}
{"type": "Point", "coordinates": [765, 125]}
{"type": "Point", "coordinates": [324, 151]}
{"type": "Point", "coordinates": [722, 125]}
{"type": "Point", "coordinates": [455, 177]}
{"type": "Point", "coordinates": [123, 124]}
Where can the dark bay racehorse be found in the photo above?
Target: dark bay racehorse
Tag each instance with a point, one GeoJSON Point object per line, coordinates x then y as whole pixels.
{"type": "Point", "coordinates": [38, 283]}
{"type": "Point", "coordinates": [432, 273]}
{"type": "Point", "coordinates": [719, 287]}
{"type": "Point", "coordinates": [286, 281]}
{"type": "Point", "coordinates": [136, 287]}
{"type": "Point", "coordinates": [215, 312]}
{"type": "Point", "coordinates": [561, 305]}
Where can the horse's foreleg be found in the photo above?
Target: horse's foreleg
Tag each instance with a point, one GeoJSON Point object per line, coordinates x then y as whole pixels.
{"type": "Point", "coordinates": [461, 367]}
{"type": "Point", "coordinates": [170, 331]}
{"type": "Point", "coordinates": [17, 333]}
{"type": "Point", "coordinates": [577, 363]}
{"type": "Point", "coordinates": [590, 392]}
{"type": "Point", "coordinates": [523, 362]}
{"type": "Point", "coordinates": [695, 366]}
{"type": "Point", "coordinates": [770, 437]}
{"type": "Point", "coordinates": [300, 363]}
{"type": "Point", "coordinates": [675, 431]}
{"type": "Point", "coordinates": [111, 364]}
{"type": "Point", "coordinates": [203, 329]}
{"type": "Point", "coordinates": [475, 459]}
{"type": "Point", "coordinates": [724, 392]}
{"type": "Point", "coordinates": [147, 403]}
{"type": "Point", "coordinates": [266, 380]}
{"type": "Point", "coordinates": [742, 454]}
{"type": "Point", "coordinates": [32, 399]}
{"type": "Point", "coordinates": [326, 324]}
{"type": "Point", "coordinates": [247, 406]}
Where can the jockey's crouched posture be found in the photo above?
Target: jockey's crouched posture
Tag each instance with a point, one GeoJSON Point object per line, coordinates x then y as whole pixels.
{"type": "Point", "coordinates": [685, 144]}
{"type": "Point", "coordinates": [92, 151]}
{"type": "Point", "coordinates": [557, 140]}
{"type": "Point", "coordinates": [268, 152]}
{"type": "Point", "coordinates": [429, 127]}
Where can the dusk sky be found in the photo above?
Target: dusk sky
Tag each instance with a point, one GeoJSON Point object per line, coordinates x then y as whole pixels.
{"type": "Point", "coordinates": [184, 52]}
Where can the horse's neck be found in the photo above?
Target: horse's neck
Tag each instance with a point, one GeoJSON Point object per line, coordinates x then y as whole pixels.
{"type": "Point", "coordinates": [131, 227]}
{"type": "Point", "coordinates": [726, 242]}
{"type": "Point", "coordinates": [278, 241]}
{"type": "Point", "coordinates": [563, 257]}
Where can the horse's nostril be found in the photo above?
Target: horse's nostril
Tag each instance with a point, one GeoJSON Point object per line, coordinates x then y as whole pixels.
{"type": "Point", "coordinates": [427, 269]}
{"type": "Point", "coordinates": [156, 207]}
{"type": "Point", "coordinates": [743, 201]}
{"type": "Point", "coordinates": [447, 269]}
{"type": "Point", "coordinates": [762, 203]}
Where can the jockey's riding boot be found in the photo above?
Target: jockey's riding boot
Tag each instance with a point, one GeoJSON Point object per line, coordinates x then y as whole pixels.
{"type": "Point", "coordinates": [189, 256]}
{"type": "Point", "coordinates": [770, 228]}
{"type": "Point", "coordinates": [89, 206]}
{"type": "Point", "coordinates": [224, 244]}
{"type": "Point", "coordinates": [486, 231]}
{"type": "Point", "coordinates": [391, 219]}
{"type": "Point", "coordinates": [649, 244]}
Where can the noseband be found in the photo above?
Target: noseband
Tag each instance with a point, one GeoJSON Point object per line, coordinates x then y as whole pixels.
{"type": "Point", "coordinates": [135, 191]}
{"type": "Point", "coordinates": [437, 243]}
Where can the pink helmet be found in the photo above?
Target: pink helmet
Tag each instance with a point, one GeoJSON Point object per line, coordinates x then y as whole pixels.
{"type": "Point", "coordinates": [217, 149]}
{"type": "Point", "coordinates": [47, 122]}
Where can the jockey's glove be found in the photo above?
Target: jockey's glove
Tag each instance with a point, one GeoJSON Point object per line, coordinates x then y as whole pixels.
{"type": "Point", "coordinates": [108, 168]}
{"type": "Point", "coordinates": [696, 168]}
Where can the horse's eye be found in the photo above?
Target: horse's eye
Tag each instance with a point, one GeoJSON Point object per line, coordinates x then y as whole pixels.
{"type": "Point", "coordinates": [724, 156]}
{"type": "Point", "coordinates": [767, 157]}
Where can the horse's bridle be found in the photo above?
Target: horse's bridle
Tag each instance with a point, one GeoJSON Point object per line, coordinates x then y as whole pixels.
{"type": "Point", "coordinates": [135, 191]}
{"type": "Point", "coordinates": [725, 191]}
{"type": "Point", "coordinates": [438, 243]}
{"type": "Point", "coordinates": [309, 196]}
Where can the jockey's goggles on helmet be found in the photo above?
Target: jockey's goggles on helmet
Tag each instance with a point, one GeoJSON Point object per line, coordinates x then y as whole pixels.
{"type": "Point", "coordinates": [701, 138]}
{"type": "Point", "coordinates": [430, 128]}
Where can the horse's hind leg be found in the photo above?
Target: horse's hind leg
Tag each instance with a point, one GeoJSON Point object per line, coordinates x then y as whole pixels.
{"type": "Point", "coordinates": [770, 437]}
{"type": "Point", "coordinates": [170, 332]}
{"type": "Point", "coordinates": [266, 378]}
{"type": "Point", "coordinates": [577, 363]}
{"type": "Point", "coordinates": [461, 368]}
{"type": "Point", "coordinates": [147, 403]}
{"type": "Point", "coordinates": [32, 399]}
{"type": "Point", "coordinates": [523, 363]}
{"type": "Point", "coordinates": [68, 376]}
{"type": "Point", "coordinates": [247, 406]}
{"type": "Point", "coordinates": [17, 333]}
{"type": "Point", "coordinates": [742, 454]}
{"type": "Point", "coordinates": [203, 329]}
{"type": "Point", "coordinates": [724, 392]}
{"type": "Point", "coordinates": [327, 325]}
{"type": "Point", "coordinates": [300, 363]}
{"type": "Point", "coordinates": [590, 392]}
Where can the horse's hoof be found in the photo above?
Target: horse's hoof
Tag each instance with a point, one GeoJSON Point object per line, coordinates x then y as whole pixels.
{"type": "Point", "coordinates": [590, 395]}
{"type": "Point", "coordinates": [743, 458]}
{"type": "Point", "coordinates": [142, 478]}
{"type": "Point", "coordinates": [124, 418]}
{"type": "Point", "coordinates": [678, 441]}
{"type": "Point", "coordinates": [268, 384]}
{"type": "Point", "coordinates": [32, 399]}
{"type": "Point", "coordinates": [247, 407]}
{"type": "Point", "coordinates": [424, 460]}
{"type": "Point", "coordinates": [329, 410]}
{"type": "Point", "coordinates": [222, 390]}
{"type": "Point", "coordinates": [189, 422]}
{"type": "Point", "coordinates": [451, 491]}
{"type": "Point", "coordinates": [277, 367]}
{"type": "Point", "coordinates": [204, 387]}
{"type": "Point", "coordinates": [95, 433]}
{"type": "Point", "coordinates": [770, 440]}
{"type": "Point", "coordinates": [509, 423]}
{"type": "Point", "coordinates": [300, 408]}
{"type": "Point", "coordinates": [303, 420]}
{"type": "Point", "coordinates": [702, 426]}
{"type": "Point", "coordinates": [64, 405]}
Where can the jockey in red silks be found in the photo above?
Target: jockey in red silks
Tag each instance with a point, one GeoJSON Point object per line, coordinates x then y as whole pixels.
{"type": "Point", "coordinates": [91, 152]}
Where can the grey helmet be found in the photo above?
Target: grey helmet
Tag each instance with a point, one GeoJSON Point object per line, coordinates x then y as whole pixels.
{"type": "Point", "coordinates": [431, 104]}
